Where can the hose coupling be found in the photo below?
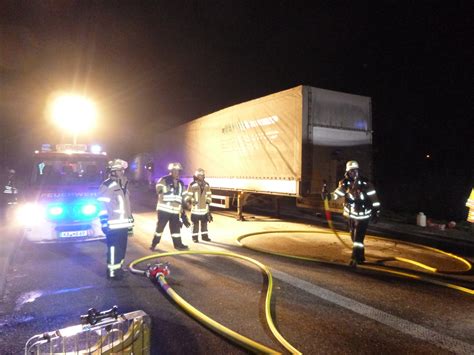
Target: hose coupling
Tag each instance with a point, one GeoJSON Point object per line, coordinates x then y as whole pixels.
{"type": "Point", "coordinates": [154, 271]}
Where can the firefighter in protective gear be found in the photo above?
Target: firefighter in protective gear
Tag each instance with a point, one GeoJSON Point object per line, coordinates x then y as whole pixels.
{"type": "Point", "coordinates": [199, 197]}
{"type": "Point", "coordinates": [116, 215]}
{"type": "Point", "coordinates": [170, 191]}
{"type": "Point", "coordinates": [360, 205]}
{"type": "Point", "coordinates": [470, 204]}
{"type": "Point", "coordinates": [9, 195]}
{"type": "Point", "coordinates": [9, 188]}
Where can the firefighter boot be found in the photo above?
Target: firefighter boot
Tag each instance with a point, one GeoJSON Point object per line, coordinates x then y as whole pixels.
{"type": "Point", "coordinates": [154, 243]}
{"type": "Point", "coordinates": [178, 244]}
{"type": "Point", "coordinates": [357, 254]}
{"type": "Point", "coordinates": [110, 274]}
{"type": "Point", "coordinates": [205, 237]}
{"type": "Point", "coordinates": [118, 274]}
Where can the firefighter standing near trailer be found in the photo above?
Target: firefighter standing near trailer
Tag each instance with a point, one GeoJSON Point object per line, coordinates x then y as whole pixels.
{"type": "Point", "coordinates": [199, 196]}
{"type": "Point", "coordinates": [116, 215]}
{"type": "Point", "coordinates": [361, 204]}
{"type": "Point", "coordinates": [170, 191]}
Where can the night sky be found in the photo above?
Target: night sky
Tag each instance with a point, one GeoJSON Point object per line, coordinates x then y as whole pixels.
{"type": "Point", "coordinates": [151, 65]}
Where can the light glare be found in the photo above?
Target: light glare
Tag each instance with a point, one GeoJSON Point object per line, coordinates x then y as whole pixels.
{"type": "Point", "coordinates": [89, 209]}
{"type": "Point", "coordinates": [29, 214]}
{"type": "Point", "coordinates": [96, 149]}
{"type": "Point", "coordinates": [56, 211]}
{"type": "Point", "coordinates": [74, 113]}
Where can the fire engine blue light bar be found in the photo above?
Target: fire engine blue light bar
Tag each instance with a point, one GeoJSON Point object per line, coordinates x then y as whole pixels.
{"type": "Point", "coordinates": [72, 211]}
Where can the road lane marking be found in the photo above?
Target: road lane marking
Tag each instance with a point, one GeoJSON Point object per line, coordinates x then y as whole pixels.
{"type": "Point", "coordinates": [400, 324]}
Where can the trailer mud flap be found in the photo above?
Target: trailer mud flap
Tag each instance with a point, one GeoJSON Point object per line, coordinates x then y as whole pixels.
{"type": "Point", "coordinates": [124, 334]}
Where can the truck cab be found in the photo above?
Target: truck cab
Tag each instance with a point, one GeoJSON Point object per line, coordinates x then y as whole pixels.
{"type": "Point", "coordinates": [60, 202]}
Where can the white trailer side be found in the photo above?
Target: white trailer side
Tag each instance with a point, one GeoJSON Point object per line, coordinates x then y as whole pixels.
{"type": "Point", "coordinates": [285, 143]}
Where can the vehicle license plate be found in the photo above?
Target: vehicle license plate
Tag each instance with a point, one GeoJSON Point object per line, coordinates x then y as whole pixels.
{"type": "Point", "coordinates": [73, 234]}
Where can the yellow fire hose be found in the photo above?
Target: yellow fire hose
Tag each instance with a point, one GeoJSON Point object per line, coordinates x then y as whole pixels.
{"type": "Point", "coordinates": [212, 324]}
{"type": "Point", "coordinates": [373, 267]}
{"type": "Point", "coordinates": [404, 260]}
{"type": "Point", "coordinates": [256, 347]}
{"type": "Point", "coordinates": [361, 266]}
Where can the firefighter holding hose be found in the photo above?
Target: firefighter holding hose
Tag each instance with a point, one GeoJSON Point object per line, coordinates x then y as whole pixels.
{"type": "Point", "coordinates": [361, 204]}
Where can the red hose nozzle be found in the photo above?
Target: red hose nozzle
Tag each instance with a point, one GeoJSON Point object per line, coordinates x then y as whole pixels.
{"type": "Point", "coordinates": [156, 270]}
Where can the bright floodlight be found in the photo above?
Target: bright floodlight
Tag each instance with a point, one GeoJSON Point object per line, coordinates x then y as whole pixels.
{"type": "Point", "coordinates": [96, 149]}
{"type": "Point", "coordinates": [75, 114]}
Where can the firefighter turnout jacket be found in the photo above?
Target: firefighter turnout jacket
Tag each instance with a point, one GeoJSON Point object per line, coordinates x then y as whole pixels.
{"type": "Point", "coordinates": [470, 204]}
{"type": "Point", "coordinates": [9, 189]}
{"type": "Point", "coordinates": [116, 212]}
{"type": "Point", "coordinates": [199, 195]}
{"type": "Point", "coordinates": [361, 200]}
{"type": "Point", "coordinates": [170, 197]}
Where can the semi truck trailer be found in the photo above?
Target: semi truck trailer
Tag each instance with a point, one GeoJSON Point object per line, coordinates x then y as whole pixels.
{"type": "Point", "coordinates": [288, 143]}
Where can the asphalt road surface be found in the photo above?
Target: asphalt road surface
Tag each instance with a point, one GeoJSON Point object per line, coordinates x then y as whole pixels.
{"type": "Point", "coordinates": [320, 308]}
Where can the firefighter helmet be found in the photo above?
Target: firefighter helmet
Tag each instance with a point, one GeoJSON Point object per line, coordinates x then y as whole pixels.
{"type": "Point", "coordinates": [199, 172]}
{"type": "Point", "coordinates": [352, 164]}
{"type": "Point", "coordinates": [117, 164]}
{"type": "Point", "coordinates": [174, 166]}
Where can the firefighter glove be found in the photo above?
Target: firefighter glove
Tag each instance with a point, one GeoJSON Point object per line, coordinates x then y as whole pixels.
{"type": "Point", "coordinates": [187, 205]}
{"type": "Point", "coordinates": [185, 220]}
{"type": "Point", "coordinates": [104, 224]}
{"type": "Point", "coordinates": [324, 193]}
{"type": "Point", "coordinates": [209, 217]}
{"type": "Point", "coordinates": [375, 216]}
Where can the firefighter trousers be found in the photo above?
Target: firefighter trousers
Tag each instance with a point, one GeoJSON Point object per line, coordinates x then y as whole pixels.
{"type": "Point", "coordinates": [358, 228]}
{"type": "Point", "coordinates": [199, 219]}
{"type": "Point", "coordinates": [175, 228]}
{"type": "Point", "coordinates": [116, 248]}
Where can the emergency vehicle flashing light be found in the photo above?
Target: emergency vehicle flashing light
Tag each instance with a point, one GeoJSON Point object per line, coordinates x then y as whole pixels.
{"type": "Point", "coordinates": [78, 211]}
{"type": "Point", "coordinates": [33, 213]}
{"type": "Point", "coordinates": [89, 209]}
{"type": "Point", "coordinates": [55, 211]}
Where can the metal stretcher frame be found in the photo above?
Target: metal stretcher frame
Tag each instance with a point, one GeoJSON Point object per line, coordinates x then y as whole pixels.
{"type": "Point", "coordinates": [127, 334]}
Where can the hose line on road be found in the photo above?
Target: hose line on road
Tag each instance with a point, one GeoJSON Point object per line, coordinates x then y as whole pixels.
{"type": "Point", "coordinates": [212, 324]}
{"type": "Point", "coordinates": [361, 266]}
{"type": "Point", "coordinates": [256, 347]}
{"type": "Point", "coordinates": [403, 260]}
{"type": "Point", "coordinates": [366, 266]}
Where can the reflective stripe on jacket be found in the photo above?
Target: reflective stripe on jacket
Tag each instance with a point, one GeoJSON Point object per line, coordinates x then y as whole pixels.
{"type": "Point", "coordinates": [470, 204]}
{"type": "Point", "coordinates": [115, 199]}
{"type": "Point", "coordinates": [360, 197]}
{"type": "Point", "coordinates": [170, 195]}
{"type": "Point", "coordinates": [199, 195]}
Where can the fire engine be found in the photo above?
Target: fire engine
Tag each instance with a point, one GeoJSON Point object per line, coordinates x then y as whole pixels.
{"type": "Point", "coordinates": [60, 203]}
